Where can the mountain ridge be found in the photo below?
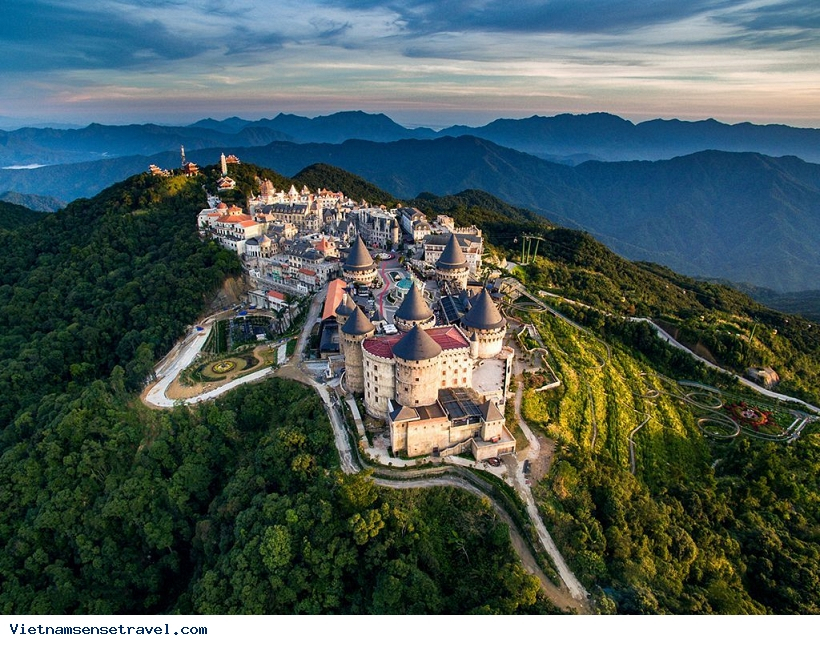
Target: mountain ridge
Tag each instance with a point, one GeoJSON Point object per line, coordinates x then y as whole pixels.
{"type": "Point", "coordinates": [565, 138]}
{"type": "Point", "coordinates": [743, 217]}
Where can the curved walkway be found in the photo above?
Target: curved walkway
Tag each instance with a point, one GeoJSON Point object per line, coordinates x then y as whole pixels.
{"type": "Point", "coordinates": [178, 359]}
{"type": "Point", "coordinates": [532, 451]}
{"type": "Point", "coordinates": [744, 381]}
{"type": "Point", "coordinates": [573, 598]}
{"type": "Point", "coordinates": [556, 595]}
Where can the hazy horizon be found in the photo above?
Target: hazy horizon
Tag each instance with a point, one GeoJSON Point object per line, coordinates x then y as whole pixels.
{"type": "Point", "coordinates": [10, 124]}
{"type": "Point", "coordinates": [420, 62]}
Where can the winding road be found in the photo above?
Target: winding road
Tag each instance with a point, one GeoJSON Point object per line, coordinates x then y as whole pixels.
{"type": "Point", "coordinates": [571, 596]}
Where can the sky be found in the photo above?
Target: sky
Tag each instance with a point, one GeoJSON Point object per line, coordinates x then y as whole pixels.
{"type": "Point", "coordinates": [421, 62]}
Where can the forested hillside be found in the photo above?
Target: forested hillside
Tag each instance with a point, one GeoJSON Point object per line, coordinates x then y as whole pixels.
{"type": "Point", "coordinates": [232, 507]}
{"type": "Point", "coordinates": [16, 216]}
{"type": "Point", "coordinates": [703, 525]}
{"type": "Point", "coordinates": [737, 331]}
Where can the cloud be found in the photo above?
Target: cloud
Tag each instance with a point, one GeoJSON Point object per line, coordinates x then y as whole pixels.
{"type": "Point", "coordinates": [39, 36]}
{"type": "Point", "coordinates": [537, 16]}
{"type": "Point", "coordinates": [791, 24]}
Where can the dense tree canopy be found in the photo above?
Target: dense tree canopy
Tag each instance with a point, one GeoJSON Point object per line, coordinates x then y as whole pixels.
{"type": "Point", "coordinates": [235, 506]}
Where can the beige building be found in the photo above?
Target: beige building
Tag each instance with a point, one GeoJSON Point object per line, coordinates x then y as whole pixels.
{"type": "Point", "coordinates": [421, 382]}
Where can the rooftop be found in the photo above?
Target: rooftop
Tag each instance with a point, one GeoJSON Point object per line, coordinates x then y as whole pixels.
{"type": "Point", "coordinates": [357, 324]}
{"type": "Point", "coordinates": [483, 314]}
{"type": "Point", "coordinates": [414, 307]}
{"type": "Point", "coordinates": [415, 345]}
{"type": "Point", "coordinates": [358, 259]}
{"type": "Point", "coordinates": [445, 337]}
{"type": "Point", "coordinates": [452, 257]}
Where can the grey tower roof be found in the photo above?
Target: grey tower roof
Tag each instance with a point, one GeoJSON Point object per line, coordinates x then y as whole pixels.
{"type": "Point", "coordinates": [358, 259]}
{"type": "Point", "coordinates": [452, 257]}
{"type": "Point", "coordinates": [416, 346]}
{"type": "Point", "coordinates": [414, 308]}
{"type": "Point", "coordinates": [483, 314]}
{"type": "Point", "coordinates": [345, 307]}
{"type": "Point", "coordinates": [357, 324]}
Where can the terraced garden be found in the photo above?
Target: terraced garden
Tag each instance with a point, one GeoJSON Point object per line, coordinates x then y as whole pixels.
{"type": "Point", "coordinates": [644, 480]}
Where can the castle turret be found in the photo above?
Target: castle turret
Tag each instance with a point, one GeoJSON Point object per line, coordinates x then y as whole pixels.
{"type": "Point", "coordinates": [484, 323]}
{"type": "Point", "coordinates": [359, 266]}
{"type": "Point", "coordinates": [343, 311]}
{"type": "Point", "coordinates": [417, 368]}
{"type": "Point", "coordinates": [452, 265]}
{"type": "Point", "coordinates": [414, 310]}
{"type": "Point", "coordinates": [354, 331]}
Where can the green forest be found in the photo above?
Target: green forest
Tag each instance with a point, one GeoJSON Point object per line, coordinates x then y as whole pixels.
{"type": "Point", "coordinates": [239, 506]}
{"type": "Point", "coordinates": [235, 507]}
{"type": "Point", "coordinates": [703, 526]}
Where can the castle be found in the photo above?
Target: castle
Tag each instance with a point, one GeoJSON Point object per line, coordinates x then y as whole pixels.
{"type": "Point", "coordinates": [420, 380]}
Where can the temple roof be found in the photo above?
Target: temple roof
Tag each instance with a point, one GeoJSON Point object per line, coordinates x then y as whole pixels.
{"type": "Point", "coordinates": [358, 259]}
{"type": "Point", "coordinates": [483, 314]}
{"type": "Point", "coordinates": [414, 307]}
{"type": "Point", "coordinates": [452, 257]}
{"type": "Point", "coordinates": [416, 345]}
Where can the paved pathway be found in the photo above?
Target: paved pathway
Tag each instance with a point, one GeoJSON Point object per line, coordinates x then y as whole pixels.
{"type": "Point", "coordinates": [532, 451]}
{"type": "Point", "coordinates": [187, 351]}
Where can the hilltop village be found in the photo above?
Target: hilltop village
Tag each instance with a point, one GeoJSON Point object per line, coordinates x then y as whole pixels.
{"type": "Point", "coordinates": [421, 340]}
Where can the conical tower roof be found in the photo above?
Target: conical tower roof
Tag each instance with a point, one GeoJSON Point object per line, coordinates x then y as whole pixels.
{"type": "Point", "coordinates": [357, 324]}
{"type": "Point", "coordinates": [416, 346]}
{"type": "Point", "coordinates": [452, 257]}
{"type": "Point", "coordinates": [345, 307]}
{"type": "Point", "coordinates": [358, 259]}
{"type": "Point", "coordinates": [483, 314]}
{"type": "Point", "coordinates": [414, 307]}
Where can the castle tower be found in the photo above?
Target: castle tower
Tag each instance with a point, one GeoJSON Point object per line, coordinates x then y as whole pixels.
{"type": "Point", "coordinates": [417, 368]}
{"type": "Point", "coordinates": [343, 311]}
{"type": "Point", "coordinates": [484, 323]}
{"type": "Point", "coordinates": [359, 266]}
{"type": "Point", "coordinates": [414, 311]}
{"type": "Point", "coordinates": [452, 265]}
{"type": "Point", "coordinates": [354, 331]}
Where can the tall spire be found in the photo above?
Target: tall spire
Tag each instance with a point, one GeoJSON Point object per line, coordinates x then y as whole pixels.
{"type": "Point", "coordinates": [416, 345]}
{"type": "Point", "coordinates": [357, 324]}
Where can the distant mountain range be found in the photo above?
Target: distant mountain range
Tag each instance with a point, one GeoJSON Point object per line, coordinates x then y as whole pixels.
{"type": "Point", "coordinates": [742, 217]}
{"type": "Point", "coordinates": [564, 138]}
{"type": "Point", "coordinates": [37, 203]}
